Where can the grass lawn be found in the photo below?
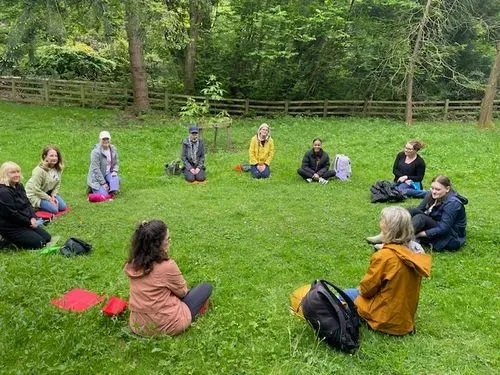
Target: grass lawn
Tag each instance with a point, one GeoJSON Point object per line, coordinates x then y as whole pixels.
{"type": "Point", "coordinates": [255, 241]}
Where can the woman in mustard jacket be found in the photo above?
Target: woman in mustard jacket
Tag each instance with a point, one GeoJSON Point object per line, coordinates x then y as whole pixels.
{"type": "Point", "coordinates": [261, 152]}
{"type": "Point", "coordinates": [387, 296]}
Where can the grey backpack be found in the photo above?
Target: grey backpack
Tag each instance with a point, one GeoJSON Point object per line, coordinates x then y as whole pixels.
{"type": "Point", "coordinates": [173, 168]}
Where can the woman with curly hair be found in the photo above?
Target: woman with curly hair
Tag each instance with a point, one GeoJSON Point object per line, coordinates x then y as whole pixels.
{"type": "Point", "coordinates": [160, 301]}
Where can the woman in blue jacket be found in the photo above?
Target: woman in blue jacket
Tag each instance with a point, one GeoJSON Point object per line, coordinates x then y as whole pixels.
{"type": "Point", "coordinates": [316, 164]}
{"type": "Point", "coordinates": [440, 219]}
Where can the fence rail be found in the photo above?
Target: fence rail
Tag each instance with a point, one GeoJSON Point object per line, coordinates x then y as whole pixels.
{"type": "Point", "coordinates": [109, 95]}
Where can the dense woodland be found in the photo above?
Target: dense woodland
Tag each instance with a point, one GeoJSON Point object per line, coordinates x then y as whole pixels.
{"type": "Point", "coordinates": [260, 49]}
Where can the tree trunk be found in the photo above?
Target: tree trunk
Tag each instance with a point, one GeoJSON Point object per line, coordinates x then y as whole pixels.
{"type": "Point", "coordinates": [189, 62]}
{"type": "Point", "coordinates": [136, 56]}
{"type": "Point", "coordinates": [486, 115]}
{"type": "Point", "coordinates": [411, 65]}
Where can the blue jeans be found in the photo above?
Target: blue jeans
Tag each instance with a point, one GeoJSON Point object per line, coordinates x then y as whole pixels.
{"type": "Point", "coordinates": [410, 191]}
{"type": "Point", "coordinates": [113, 183]}
{"type": "Point", "coordinates": [48, 206]}
{"type": "Point", "coordinates": [257, 174]}
{"type": "Point", "coordinates": [352, 293]}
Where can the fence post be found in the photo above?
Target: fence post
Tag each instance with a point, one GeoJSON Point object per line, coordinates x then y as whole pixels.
{"type": "Point", "coordinates": [446, 106]}
{"type": "Point", "coordinates": [125, 93]}
{"type": "Point", "coordinates": [325, 107]}
{"type": "Point", "coordinates": [167, 100]}
{"type": "Point", "coordinates": [13, 89]}
{"type": "Point", "coordinates": [247, 106]}
{"type": "Point", "coordinates": [46, 91]}
{"type": "Point", "coordinates": [82, 95]}
{"type": "Point", "coordinates": [286, 106]}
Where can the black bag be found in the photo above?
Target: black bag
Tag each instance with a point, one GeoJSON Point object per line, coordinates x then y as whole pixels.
{"type": "Point", "coordinates": [384, 191]}
{"type": "Point", "coordinates": [75, 246]}
{"type": "Point", "coordinates": [173, 168]}
{"type": "Point", "coordinates": [336, 324]}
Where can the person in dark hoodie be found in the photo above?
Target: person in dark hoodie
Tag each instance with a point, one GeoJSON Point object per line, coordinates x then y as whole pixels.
{"type": "Point", "coordinates": [193, 156]}
{"type": "Point", "coordinates": [18, 224]}
{"type": "Point", "coordinates": [43, 187]}
{"type": "Point", "coordinates": [160, 301]}
{"type": "Point", "coordinates": [439, 220]}
{"type": "Point", "coordinates": [388, 294]}
{"type": "Point", "coordinates": [315, 164]}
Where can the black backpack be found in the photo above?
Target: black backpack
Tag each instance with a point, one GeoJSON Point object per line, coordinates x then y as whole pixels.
{"type": "Point", "coordinates": [333, 322]}
{"type": "Point", "coordinates": [74, 246]}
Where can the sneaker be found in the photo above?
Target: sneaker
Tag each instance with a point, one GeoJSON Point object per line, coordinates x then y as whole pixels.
{"type": "Point", "coordinates": [375, 239]}
{"type": "Point", "coordinates": [378, 246]}
{"type": "Point", "coordinates": [309, 179]}
{"type": "Point", "coordinates": [53, 241]}
{"type": "Point", "coordinates": [322, 181]}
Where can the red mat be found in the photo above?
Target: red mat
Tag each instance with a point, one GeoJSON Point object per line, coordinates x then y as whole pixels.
{"type": "Point", "coordinates": [47, 215]}
{"type": "Point", "coordinates": [78, 300]}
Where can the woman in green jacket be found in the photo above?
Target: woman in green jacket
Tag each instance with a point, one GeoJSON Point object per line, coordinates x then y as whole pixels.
{"type": "Point", "coordinates": [43, 187]}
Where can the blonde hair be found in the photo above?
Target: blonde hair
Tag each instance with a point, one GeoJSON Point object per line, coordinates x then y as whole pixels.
{"type": "Point", "coordinates": [7, 167]}
{"type": "Point", "coordinates": [396, 225]}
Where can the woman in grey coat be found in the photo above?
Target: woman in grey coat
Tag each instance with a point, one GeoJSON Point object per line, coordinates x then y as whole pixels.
{"type": "Point", "coordinates": [193, 156]}
{"type": "Point", "coordinates": [104, 165]}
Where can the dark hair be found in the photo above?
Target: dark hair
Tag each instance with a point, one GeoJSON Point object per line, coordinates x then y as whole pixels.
{"type": "Point", "coordinates": [59, 165]}
{"type": "Point", "coordinates": [416, 144]}
{"type": "Point", "coordinates": [317, 139]}
{"type": "Point", "coordinates": [443, 180]}
{"type": "Point", "coordinates": [146, 247]}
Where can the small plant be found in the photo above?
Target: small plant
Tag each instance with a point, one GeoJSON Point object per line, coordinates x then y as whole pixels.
{"type": "Point", "coordinates": [194, 110]}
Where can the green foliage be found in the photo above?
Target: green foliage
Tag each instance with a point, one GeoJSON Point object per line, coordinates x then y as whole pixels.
{"type": "Point", "coordinates": [273, 49]}
{"type": "Point", "coordinates": [255, 241]}
{"type": "Point", "coordinates": [194, 110]}
{"type": "Point", "coordinates": [71, 62]}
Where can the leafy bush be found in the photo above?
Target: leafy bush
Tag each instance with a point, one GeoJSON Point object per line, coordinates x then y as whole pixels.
{"type": "Point", "coordinates": [71, 62]}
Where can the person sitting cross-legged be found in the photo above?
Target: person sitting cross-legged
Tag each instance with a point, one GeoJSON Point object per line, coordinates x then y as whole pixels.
{"type": "Point", "coordinates": [316, 164]}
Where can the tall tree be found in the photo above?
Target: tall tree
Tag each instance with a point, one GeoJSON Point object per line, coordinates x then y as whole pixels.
{"type": "Point", "coordinates": [136, 55]}
{"type": "Point", "coordinates": [486, 115]}
{"type": "Point", "coordinates": [412, 62]}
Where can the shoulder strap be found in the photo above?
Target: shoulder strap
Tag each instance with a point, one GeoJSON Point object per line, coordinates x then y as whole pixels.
{"type": "Point", "coordinates": [330, 297]}
{"type": "Point", "coordinates": [347, 299]}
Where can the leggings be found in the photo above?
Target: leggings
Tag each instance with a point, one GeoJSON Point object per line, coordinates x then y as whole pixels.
{"type": "Point", "coordinates": [196, 297]}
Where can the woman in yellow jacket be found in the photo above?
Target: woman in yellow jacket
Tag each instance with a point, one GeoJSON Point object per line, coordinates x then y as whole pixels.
{"type": "Point", "coordinates": [261, 152]}
{"type": "Point", "coordinates": [387, 296]}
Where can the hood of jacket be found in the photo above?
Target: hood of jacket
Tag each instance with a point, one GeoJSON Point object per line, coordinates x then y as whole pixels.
{"type": "Point", "coordinates": [44, 166]}
{"type": "Point", "coordinates": [455, 196]}
{"type": "Point", "coordinates": [421, 263]}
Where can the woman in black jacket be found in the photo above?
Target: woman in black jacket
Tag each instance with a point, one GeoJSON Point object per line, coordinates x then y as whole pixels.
{"type": "Point", "coordinates": [315, 164]}
{"type": "Point", "coordinates": [18, 224]}
{"type": "Point", "coordinates": [409, 170]}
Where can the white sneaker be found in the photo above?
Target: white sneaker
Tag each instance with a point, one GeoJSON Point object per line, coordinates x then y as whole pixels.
{"type": "Point", "coordinates": [322, 181]}
{"type": "Point", "coordinates": [309, 179]}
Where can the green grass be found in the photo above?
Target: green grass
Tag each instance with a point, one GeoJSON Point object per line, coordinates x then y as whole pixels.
{"type": "Point", "coordinates": [255, 241]}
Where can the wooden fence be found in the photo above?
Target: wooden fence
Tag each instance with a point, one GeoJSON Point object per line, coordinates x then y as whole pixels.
{"type": "Point", "coordinates": [109, 95]}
